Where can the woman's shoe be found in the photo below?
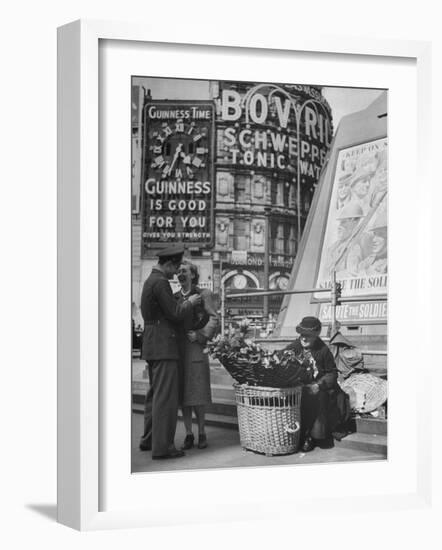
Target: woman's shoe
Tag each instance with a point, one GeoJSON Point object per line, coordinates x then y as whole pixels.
{"type": "Point", "coordinates": [202, 441]}
{"type": "Point", "coordinates": [188, 442]}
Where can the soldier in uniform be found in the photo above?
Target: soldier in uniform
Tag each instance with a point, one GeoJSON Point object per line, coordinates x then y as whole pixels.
{"type": "Point", "coordinates": [376, 261]}
{"type": "Point", "coordinates": [360, 187]}
{"type": "Point", "coordinates": [344, 190]}
{"type": "Point", "coordinates": [162, 314]}
{"type": "Point", "coordinates": [343, 255]}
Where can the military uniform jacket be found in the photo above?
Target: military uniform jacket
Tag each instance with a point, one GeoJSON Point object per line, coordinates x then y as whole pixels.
{"type": "Point", "coordinates": [161, 314]}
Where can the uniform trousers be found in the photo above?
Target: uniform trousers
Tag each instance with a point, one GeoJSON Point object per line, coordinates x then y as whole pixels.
{"type": "Point", "coordinates": [161, 407]}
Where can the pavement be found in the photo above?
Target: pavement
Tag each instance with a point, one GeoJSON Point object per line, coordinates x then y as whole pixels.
{"type": "Point", "coordinates": [225, 451]}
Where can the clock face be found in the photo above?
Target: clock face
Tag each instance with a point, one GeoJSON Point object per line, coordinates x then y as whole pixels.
{"type": "Point", "coordinates": [179, 149]}
{"type": "Point", "coordinates": [240, 281]}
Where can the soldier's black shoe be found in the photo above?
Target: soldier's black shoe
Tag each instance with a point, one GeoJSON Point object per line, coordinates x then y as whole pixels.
{"type": "Point", "coordinates": [202, 441]}
{"type": "Point", "coordinates": [188, 442]}
{"type": "Point", "coordinates": [172, 454]}
{"type": "Point", "coordinates": [145, 447]}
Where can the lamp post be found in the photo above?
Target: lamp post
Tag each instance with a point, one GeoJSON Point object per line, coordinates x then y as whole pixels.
{"type": "Point", "coordinates": [217, 257]}
{"type": "Point", "coordinates": [265, 312]}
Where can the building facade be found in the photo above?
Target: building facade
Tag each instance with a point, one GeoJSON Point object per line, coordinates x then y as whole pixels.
{"type": "Point", "coordinates": [243, 173]}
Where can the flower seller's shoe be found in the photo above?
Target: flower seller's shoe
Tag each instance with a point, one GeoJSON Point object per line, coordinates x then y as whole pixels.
{"type": "Point", "coordinates": [202, 441]}
{"type": "Point", "coordinates": [188, 442]}
{"type": "Point", "coordinates": [308, 445]}
{"type": "Point", "coordinates": [326, 443]}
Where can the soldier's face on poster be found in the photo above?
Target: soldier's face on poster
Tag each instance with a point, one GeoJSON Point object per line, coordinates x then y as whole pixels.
{"type": "Point", "coordinates": [343, 189]}
{"type": "Point", "coordinates": [345, 228]}
{"type": "Point", "coordinates": [360, 188]}
{"type": "Point", "coordinates": [379, 242]}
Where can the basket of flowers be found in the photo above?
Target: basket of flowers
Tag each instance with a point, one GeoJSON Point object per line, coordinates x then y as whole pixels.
{"type": "Point", "coordinates": [268, 391]}
{"type": "Point", "coordinates": [249, 363]}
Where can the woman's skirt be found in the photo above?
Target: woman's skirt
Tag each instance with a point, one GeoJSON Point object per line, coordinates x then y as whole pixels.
{"type": "Point", "coordinates": [196, 382]}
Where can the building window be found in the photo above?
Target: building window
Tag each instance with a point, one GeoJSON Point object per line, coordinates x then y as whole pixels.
{"type": "Point", "coordinates": [280, 193]}
{"type": "Point", "coordinates": [280, 239]}
{"type": "Point", "coordinates": [274, 192]}
{"type": "Point", "coordinates": [273, 236]}
{"type": "Point", "coordinates": [241, 234]}
{"type": "Point", "coordinates": [292, 196]}
{"type": "Point", "coordinates": [286, 193]}
{"type": "Point", "coordinates": [287, 232]}
{"type": "Point", "coordinates": [242, 188]}
{"type": "Point", "coordinates": [307, 200]}
{"type": "Point", "coordinates": [292, 240]}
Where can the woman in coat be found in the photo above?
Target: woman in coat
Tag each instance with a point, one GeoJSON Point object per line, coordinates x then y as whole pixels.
{"type": "Point", "coordinates": [199, 326]}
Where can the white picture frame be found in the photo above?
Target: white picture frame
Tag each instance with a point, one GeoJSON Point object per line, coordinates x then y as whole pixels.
{"type": "Point", "coordinates": [79, 276]}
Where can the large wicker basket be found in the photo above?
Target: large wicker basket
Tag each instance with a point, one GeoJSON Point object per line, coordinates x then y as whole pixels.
{"type": "Point", "coordinates": [269, 418]}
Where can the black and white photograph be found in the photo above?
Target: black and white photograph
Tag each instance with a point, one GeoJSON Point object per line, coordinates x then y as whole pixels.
{"type": "Point", "coordinates": [259, 274]}
{"type": "Point", "coordinates": [221, 259]}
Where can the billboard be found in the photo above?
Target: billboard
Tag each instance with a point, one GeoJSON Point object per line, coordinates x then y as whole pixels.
{"type": "Point", "coordinates": [355, 239]}
{"type": "Point", "coordinates": [272, 127]}
{"type": "Point", "coordinates": [178, 190]}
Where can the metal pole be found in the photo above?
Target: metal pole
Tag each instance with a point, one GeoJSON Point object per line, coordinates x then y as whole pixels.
{"type": "Point", "coordinates": [363, 299]}
{"type": "Point", "coordinates": [298, 179]}
{"type": "Point", "coordinates": [333, 303]}
{"type": "Point", "coordinates": [265, 312]}
{"type": "Point", "coordinates": [277, 292]}
{"type": "Point", "coordinates": [223, 297]}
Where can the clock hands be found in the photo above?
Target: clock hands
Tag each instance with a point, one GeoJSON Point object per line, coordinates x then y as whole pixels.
{"type": "Point", "coordinates": [177, 152]}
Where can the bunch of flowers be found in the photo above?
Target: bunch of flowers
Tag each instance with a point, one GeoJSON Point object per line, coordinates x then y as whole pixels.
{"type": "Point", "coordinates": [248, 363]}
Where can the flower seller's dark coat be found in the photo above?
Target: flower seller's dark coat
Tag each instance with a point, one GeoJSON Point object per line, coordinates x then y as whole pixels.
{"type": "Point", "coordinates": [327, 374]}
{"type": "Point", "coordinates": [323, 414]}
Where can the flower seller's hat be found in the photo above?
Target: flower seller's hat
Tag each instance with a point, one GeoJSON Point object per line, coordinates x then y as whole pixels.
{"type": "Point", "coordinates": [309, 326]}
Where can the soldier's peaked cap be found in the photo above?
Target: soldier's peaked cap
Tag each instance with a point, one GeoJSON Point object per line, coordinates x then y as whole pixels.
{"type": "Point", "coordinates": [171, 251]}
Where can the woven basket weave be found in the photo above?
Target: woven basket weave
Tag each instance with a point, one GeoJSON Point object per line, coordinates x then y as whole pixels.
{"type": "Point", "coordinates": [269, 418]}
{"type": "Point", "coordinates": [367, 392]}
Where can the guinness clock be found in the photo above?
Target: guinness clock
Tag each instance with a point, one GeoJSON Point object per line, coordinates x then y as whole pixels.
{"type": "Point", "coordinates": [180, 150]}
{"type": "Point", "coordinates": [177, 181]}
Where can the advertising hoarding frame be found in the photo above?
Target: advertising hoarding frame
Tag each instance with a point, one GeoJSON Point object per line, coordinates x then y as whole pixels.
{"type": "Point", "coordinates": [321, 301]}
{"type": "Point", "coordinates": [79, 329]}
{"type": "Point", "coordinates": [318, 299]}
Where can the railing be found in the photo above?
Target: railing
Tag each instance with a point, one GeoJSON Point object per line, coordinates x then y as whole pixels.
{"type": "Point", "coordinates": [335, 300]}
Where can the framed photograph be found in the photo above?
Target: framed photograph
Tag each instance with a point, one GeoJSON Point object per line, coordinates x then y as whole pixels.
{"type": "Point", "coordinates": [228, 319]}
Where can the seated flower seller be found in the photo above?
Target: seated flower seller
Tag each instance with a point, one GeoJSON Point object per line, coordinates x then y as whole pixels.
{"type": "Point", "coordinates": [319, 412]}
